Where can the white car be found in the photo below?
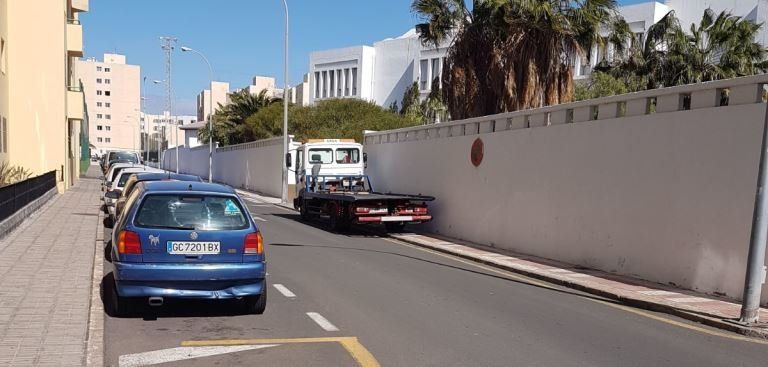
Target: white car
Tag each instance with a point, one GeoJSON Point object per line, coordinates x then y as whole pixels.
{"type": "Point", "coordinates": [117, 177]}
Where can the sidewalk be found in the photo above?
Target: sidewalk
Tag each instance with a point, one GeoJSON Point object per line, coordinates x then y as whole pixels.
{"type": "Point", "coordinates": [46, 268]}
{"type": "Point", "coordinates": [708, 310]}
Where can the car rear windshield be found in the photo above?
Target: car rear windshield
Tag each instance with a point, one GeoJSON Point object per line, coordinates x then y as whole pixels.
{"type": "Point", "coordinates": [123, 156]}
{"type": "Point", "coordinates": [199, 212]}
{"type": "Point", "coordinates": [124, 178]}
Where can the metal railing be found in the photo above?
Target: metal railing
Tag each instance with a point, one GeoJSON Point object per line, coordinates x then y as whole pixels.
{"type": "Point", "coordinates": [16, 196]}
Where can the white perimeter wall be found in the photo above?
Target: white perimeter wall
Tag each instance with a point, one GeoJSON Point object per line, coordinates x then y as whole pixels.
{"type": "Point", "coordinates": [255, 166]}
{"type": "Point", "coordinates": [666, 197]}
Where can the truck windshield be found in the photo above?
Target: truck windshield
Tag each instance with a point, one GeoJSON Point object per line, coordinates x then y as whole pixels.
{"type": "Point", "coordinates": [322, 156]}
{"type": "Point", "coordinates": [347, 155]}
{"type": "Point", "coordinates": [201, 212]}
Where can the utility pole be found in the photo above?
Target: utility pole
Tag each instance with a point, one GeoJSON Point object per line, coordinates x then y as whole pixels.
{"type": "Point", "coordinates": [285, 110]}
{"type": "Point", "coordinates": [755, 277]}
{"type": "Point", "coordinates": [167, 44]}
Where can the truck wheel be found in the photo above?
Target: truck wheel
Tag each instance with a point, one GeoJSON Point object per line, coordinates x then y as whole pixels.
{"type": "Point", "coordinates": [303, 211]}
{"type": "Point", "coordinates": [394, 226]}
{"type": "Point", "coordinates": [338, 222]}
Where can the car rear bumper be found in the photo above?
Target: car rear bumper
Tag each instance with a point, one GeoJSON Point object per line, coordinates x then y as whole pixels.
{"type": "Point", "coordinates": [211, 281]}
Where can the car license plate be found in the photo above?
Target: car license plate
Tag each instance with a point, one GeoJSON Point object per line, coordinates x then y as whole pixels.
{"type": "Point", "coordinates": [193, 248]}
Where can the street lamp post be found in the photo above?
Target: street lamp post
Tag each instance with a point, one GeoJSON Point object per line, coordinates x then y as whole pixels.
{"type": "Point", "coordinates": [210, 115]}
{"type": "Point", "coordinates": [144, 112]}
{"type": "Point", "coordinates": [285, 109]}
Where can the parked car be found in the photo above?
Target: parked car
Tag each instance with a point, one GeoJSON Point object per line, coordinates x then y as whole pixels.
{"type": "Point", "coordinates": [119, 179]}
{"type": "Point", "coordinates": [113, 170]}
{"type": "Point", "coordinates": [113, 156]}
{"type": "Point", "coordinates": [185, 240]}
{"type": "Point", "coordinates": [135, 178]}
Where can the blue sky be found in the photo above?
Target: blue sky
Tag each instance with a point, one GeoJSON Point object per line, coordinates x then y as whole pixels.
{"type": "Point", "coordinates": [241, 38]}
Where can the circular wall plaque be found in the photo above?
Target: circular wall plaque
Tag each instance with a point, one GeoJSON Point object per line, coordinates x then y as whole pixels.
{"type": "Point", "coordinates": [476, 154]}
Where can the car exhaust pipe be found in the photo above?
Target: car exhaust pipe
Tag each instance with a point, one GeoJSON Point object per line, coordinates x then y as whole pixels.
{"type": "Point", "coordinates": [155, 301]}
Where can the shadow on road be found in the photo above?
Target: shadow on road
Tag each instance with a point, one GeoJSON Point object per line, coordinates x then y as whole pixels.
{"type": "Point", "coordinates": [172, 308]}
{"type": "Point", "coordinates": [564, 291]}
{"type": "Point", "coordinates": [355, 231]}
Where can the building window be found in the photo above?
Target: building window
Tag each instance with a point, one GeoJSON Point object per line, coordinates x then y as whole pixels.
{"type": "Point", "coordinates": [106, 70]}
{"type": "Point", "coordinates": [99, 140]}
{"type": "Point", "coordinates": [98, 80]}
{"type": "Point", "coordinates": [108, 117]}
{"type": "Point", "coordinates": [3, 56]}
{"type": "Point", "coordinates": [98, 93]}
{"type": "Point", "coordinates": [107, 140]}
{"type": "Point", "coordinates": [325, 84]}
{"type": "Point", "coordinates": [154, 128]}
{"type": "Point", "coordinates": [354, 81]}
{"type": "Point", "coordinates": [99, 127]}
{"type": "Point", "coordinates": [107, 81]}
{"type": "Point", "coordinates": [346, 82]}
{"type": "Point", "coordinates": [98, 68]}
{"type": "Point", "coordinates": [332, 89]}
{"type": "Point", "coordinates": [435, 71]}
{"type": "Point", "coordinates": [98, 116]}
{"type": "Point", "coordinates": [107, 93]}
{"type": "Point", "coordinates": [317, 84]}
{"type": "Point", "coordinates": [423, 74]}
{"type": "Point", "coordinates": [107, 104]}
{"type": "Point", "coordinates": [108, 128]}
{"type": "Point", "coordinates": [98, 104]}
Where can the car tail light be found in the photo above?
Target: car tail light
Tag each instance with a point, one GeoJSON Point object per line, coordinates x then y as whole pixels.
{"type": "Point", "coordinates": [254, 244]}
{"type": "Point", "coordinates": [128, 243]}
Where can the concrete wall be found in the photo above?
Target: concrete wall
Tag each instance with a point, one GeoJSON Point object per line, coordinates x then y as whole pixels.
{"type": "Point", "coordinates": [255, 166]}
{"type": "Point", "coordinates": [666, 197]}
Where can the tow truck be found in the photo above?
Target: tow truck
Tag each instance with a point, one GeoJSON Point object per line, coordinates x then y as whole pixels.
{"type": "Point", "coordinates": [331, 183]}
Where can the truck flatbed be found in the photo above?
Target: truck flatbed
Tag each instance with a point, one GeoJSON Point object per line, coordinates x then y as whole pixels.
{"type": "Point", "coordinates": [365, 196]}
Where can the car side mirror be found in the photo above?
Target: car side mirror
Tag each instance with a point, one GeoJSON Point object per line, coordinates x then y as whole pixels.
{"type": "Point", "coordinates": [288, 160]}
{"type": "Point", "coordinates": [108, 222]}
{"type": "Point", "coordinates": [113, 194]}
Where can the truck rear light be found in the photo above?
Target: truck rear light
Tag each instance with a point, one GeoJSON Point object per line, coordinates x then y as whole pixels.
{"type": "Point", "coordinates": [362, 210]}
{"type": "Point", "coordinates": [420, 210]}
{"type": "Point", "coordinates": [128, 243]}
{"type": "Point", "coordinates": [254, 244]}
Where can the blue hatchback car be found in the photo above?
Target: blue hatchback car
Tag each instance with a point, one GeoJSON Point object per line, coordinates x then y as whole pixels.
{"type": "Point", "coordinates": [178, 239]}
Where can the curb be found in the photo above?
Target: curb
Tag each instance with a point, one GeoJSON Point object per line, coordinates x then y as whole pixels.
{"type": "Point", "coordinates": [95, 338]}
{"type": "Point", "coordinates": [728, 325]}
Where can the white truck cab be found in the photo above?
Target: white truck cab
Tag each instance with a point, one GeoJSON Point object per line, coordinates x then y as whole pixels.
{"type": "Point", "coordinates": [342, 157]}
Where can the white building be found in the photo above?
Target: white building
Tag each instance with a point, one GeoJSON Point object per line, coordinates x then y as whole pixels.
{"type": "Point", "coordinates": [166, 125]}
{"type": "Point", "coordinates": [220, 97]}
{"type": "Point", "coordinates": [643, 15]}
{"type": "Point", "coordinates": [112, 95]}
{"type": "Point", "coordinates": [380, 73]}
{"type": "Point", "coordinates": [299, 94]}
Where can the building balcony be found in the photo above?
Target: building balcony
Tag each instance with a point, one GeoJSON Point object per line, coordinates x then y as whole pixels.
{"type": "Point", "coordinates": [74, 38]}
{"type": "Point", "coordinates": [80, 5]}
{"type": "Point", "coordinates": [75, 103]}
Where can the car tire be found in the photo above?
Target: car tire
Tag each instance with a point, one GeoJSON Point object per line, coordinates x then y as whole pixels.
{"type": "Point", "coordinates": [256, 305]}
{"type": "Point", "coordinates": [117, 305]}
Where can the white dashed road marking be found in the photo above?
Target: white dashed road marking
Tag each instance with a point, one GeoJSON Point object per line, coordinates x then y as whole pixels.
{"type": "Point", "coordinates": [181, 353]}
{"type": "Point", "coordinates": [322, 321]}
{"type": "Point", "coordinates": [284, 291]}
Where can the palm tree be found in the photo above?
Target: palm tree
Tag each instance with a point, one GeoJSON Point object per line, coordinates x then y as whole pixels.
{"type": "Point", "coordinates": [229, 121]}
{"type": "Point", "coordinates": [507, 55]}
{"type": "Point", "coordinates": [720, 46]}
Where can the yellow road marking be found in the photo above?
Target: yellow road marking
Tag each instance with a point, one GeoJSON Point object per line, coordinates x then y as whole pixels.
{"type": "Point", "coordinates": [614, 305]}
{"type": "Point", "coordinates": [352, 345]}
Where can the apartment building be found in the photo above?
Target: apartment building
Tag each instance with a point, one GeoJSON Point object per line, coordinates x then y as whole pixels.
{"type": "Point", "coordinates": [380, 73]}
{"type": "Point", "coordinates": [42, 111]}
{"type": "Point", "coordinates": [299, 94]}
{"type": "Point", "coordinates": [220, 97]}
{"type": "Point", "coordinates": [165, 127]}
{"type": "Point", "coordinates": [113, 96]}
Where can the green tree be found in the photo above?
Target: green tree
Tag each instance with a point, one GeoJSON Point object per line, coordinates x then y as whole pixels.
{"type": "Point", "coordinates": [411, 104]}
{"type": "Point", "coordinates": [508, 55]}
{"type": "Point", "coordinates": [333, 118]}
{"type": "Point", "coordinates": [229, 120]}
{"type": "Point", "coordinates": [602, 84]}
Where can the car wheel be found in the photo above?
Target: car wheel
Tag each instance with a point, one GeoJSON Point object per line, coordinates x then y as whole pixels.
{"type": "Point", "coordinates": [118, 305]}
{"type": "Point", "coordinates": [256, 305]}
{"type": "Point", "coordinates": [394, 226]}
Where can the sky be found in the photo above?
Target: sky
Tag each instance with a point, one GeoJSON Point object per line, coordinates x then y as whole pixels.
{"type": "Point", "coordinates": [241, 38]}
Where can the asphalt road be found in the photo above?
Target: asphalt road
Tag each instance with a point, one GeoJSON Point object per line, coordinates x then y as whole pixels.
{"type": "Point", "coordinates": [408, 307]}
